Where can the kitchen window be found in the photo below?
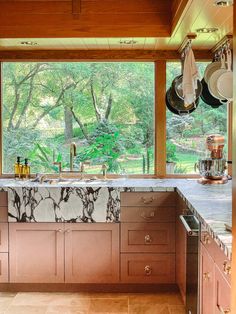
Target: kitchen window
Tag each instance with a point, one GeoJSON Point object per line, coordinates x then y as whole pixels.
{"type": "Point", "coordinates": [186, 134]}
{"type": "Point", "coordinates": [107, 109]}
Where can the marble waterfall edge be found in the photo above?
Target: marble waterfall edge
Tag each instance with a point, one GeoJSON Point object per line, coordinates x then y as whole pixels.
{"type": "Point", "coordinates": [65, 204]}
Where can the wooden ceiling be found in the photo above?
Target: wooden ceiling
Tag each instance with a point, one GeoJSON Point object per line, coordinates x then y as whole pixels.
{"type": "Point", "coordinates": [110, 24]}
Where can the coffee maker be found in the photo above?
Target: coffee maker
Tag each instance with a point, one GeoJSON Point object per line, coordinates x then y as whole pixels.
{"type": "Point", "coordinates": [212, 169]}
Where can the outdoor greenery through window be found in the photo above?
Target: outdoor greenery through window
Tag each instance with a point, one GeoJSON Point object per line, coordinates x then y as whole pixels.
{"type": "Point", "coordinates": [186, 135]}
{"type": "Point", "coordinates": [107, 109]}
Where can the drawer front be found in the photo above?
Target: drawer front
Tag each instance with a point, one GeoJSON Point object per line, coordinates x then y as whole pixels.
{"type": "Point", "coordinates": [152, 199]}
{"type": "Point", "coordinates": [222, 293]}
{"type": "Point", "coordinates": [217, 254]}
{"type": "Point", "coordinates": [148, 268]}
{"type": "Point", "coordinates": [147, 214]}
{"type": "Point", "coordinates": [4, 267]}
{"type": "Point", "coordinates": [152, 237]}
{"type": "Point", "coordinates": [3, 199]}
{"type": "Point", "coordinates": [3, 237]}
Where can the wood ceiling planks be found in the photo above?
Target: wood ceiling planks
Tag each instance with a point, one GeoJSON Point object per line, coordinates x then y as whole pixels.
{"type": "Point", "coordinates": [106, 18]}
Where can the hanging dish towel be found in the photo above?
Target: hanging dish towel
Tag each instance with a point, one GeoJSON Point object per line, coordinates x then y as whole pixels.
{"type": "Point", "coordinates": [190, 78]}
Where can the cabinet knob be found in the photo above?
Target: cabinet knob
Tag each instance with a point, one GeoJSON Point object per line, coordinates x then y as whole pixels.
{"type": "Point", "coordinates": [206, 276]}
{"type": "Point", "coordinates": [68, 230]}
{"type": "Point", "coordinates": [222, 311]}
{"type": "Point", "coordinates": [147, 201]}
{"type": "Point", "coordinates": [148, 270]}
{"type": "Point", "coordinates": [59, 230]}
{"type": "Point", "coordinates": [151, 215]}
{"type": "Point", "coordinates": [206, 239]}
{"type": "Point", "coordinates": [226, 268]}
{"type": "Point", "coordinates": [147, 239]}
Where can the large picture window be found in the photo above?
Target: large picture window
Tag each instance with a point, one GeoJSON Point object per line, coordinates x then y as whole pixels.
{"type": "Point", "coordinates": [107, 109]}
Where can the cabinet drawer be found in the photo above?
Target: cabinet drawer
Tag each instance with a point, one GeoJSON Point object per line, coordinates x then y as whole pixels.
{"type": "Point", "coordinates": [217, 254]}
{"type": "Point", "coordinates": [152, 199]}
{"type": "Point", "coordinates": [222, 293]}
{"type": "Point", "coordinates": [3, 237]}
{"type": "Point", "coordinates": [151, 237]}
{"type": "Point", "coordinates": [3, 199]}
{"type": "Point", "coordinates": [4, 267]}
{"type": "Point", "coordinates": [148, 268]}
{"type": "Point", "coordinates": [148, 214]}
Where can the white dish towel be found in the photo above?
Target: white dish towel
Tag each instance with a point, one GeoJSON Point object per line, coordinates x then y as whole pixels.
{"type": "Point", "coordinates": [190, 78]}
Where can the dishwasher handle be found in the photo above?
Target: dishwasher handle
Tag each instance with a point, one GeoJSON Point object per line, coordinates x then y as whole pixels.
{"type": "Point", "coordinates": [191, 224]}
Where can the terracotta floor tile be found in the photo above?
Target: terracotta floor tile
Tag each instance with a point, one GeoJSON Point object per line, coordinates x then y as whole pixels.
{"type": "Point", "coordinates": [149, 309]}
{"type": "Point", "coordinates": [109, 306]}
{"type": "Point", "coordinates": [176, 309]}
{"type": "Point", "coordinates": [22, 309]}
{"type": "Point", "coordinates": [66, 310]}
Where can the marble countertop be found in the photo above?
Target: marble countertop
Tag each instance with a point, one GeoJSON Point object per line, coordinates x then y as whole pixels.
{"type": "Point", "coordinates": [212, 204]}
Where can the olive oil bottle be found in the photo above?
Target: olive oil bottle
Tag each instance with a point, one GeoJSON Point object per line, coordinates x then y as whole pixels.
{"type": "Point", "coordinates": [18, 168]}
{"type": "Point", "coordinates": [26, 169]}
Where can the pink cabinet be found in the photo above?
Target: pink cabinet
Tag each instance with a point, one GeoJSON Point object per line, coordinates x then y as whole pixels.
{"type": "Point", "coordinates": [92, 253]}
{"type": "Point", "coordinates": [57, 252]}
{"type": "Point", "coordinates": [222, 293]}
{"type": "Point", "coordinates": [3, 237]}
{"type": "Point", "coordinates": [36, 252]}
{"type": "Point", "coordinates": [3, 267]}
{"type": "Point", "coordinates": [181, 247]}
{"type": "Point", "coordinates": [207, 282]}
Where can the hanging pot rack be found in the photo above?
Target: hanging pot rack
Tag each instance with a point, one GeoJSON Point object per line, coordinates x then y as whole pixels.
{"type": "Point", "coordinates": [224, 44]}
{"type": "Point", "coordinates": [187, 42]}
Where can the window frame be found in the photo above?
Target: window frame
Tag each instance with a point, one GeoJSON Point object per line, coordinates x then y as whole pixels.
{"type": "Point", "coordinates": [159, 119]}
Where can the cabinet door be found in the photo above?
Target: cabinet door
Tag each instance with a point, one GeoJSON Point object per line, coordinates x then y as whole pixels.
{"type": "Point", "coordinates": [36, 252]}
{"type": "Point", "coordinates": [207, 280]}
{"type": "Point", "coordinates": [181, 245]}
{"type": "Point", "coordinates": [222, 293]}
{"type": "Point", "coordinates": [92, 253]}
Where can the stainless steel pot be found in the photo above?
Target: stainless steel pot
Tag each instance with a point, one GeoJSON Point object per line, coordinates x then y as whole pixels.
{"type": "Point", "coordinates": [211, 168]}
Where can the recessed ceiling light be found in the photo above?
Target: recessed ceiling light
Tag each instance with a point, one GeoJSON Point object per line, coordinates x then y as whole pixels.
{"type": "Point", "coordinates": [28, 43]}
{"type": "Point", "coordinates": [128, 42]}
{"type": "Point", "coordinates": [207, 30]}
{"type": "Point", "coordinates": [224, 3]}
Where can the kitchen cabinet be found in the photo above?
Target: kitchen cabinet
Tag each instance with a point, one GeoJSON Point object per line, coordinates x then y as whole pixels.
{"type": "Point", "coordinates": [36, 253]}
{"type": "Point", "coordinates": [215, 274]}
{"type": "Point", "coordinates": [222, 293]}
{"type": "Point", "coordinates": [148, 237]}
{"type": "Point", "coordinates": [181, 247]}
{"type": "Point", "coordinates": [92, 253]}
{"type": "Point", "coordinates": [57, 252]}
{"type": "Point", "coordinates": [207, 281]}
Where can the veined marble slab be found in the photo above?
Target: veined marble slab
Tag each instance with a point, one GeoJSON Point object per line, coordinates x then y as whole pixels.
{"type": "Point", "coordinates": [99, 201]}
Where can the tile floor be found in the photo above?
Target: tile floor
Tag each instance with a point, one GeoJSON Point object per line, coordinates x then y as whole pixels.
{"type": "Point", "coordinates": [90, 303]}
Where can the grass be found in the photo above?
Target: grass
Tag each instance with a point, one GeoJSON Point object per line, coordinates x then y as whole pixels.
{"type": "Point", "coordinates": [187, 160]}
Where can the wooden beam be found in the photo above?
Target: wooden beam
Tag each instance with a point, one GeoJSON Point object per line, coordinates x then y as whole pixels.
{"type": "Point", "coordinates": [97, 55]}
{"type": "Point", "coordinates": [160, 118]}
{"type": "Point", "coordinates": [179, 7]}
{"type": "Point", "coordinates": [76, 7]}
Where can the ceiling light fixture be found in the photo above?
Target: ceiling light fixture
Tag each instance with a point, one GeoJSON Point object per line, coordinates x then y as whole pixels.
{"type": "Point", "coordinates": [207, 30]}
{"type": "Point", "coordinates": [224, 3]}
{"type": "Point", "coordinates": [28, 43]}
{"type": "Point", "coordinates": [128, 42]}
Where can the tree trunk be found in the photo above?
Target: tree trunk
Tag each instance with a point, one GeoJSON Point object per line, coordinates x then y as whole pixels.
{"type": "Point", "coordinates": [68, 118]}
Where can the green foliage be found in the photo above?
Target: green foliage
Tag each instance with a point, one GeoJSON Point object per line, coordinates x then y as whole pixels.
{"type": "Point", "coordinates": [106, 146]}
{"type": "Point", "coordinates": [171, 152]}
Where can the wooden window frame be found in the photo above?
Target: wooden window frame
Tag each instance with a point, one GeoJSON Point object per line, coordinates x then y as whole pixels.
{"type": "Point", "coordinates": [160, 116]}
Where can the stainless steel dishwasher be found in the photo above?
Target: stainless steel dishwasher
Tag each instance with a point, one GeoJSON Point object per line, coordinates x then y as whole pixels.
{"type": "Point", "coordinates": [191, 225]}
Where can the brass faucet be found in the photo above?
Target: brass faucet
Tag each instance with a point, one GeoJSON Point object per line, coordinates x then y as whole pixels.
{"type": "Point", "coordinates": [72, 155]}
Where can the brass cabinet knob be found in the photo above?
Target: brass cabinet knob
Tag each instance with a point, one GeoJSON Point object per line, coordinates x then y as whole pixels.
{"type": "Point", "coordinates": [206, 276]}
{"type": "Point", "coordinates": [150, 216]}
{"type": "Point", "coordinates": [226, 268]}
{"type": "Point", "coordinates": [148, 270]}
{"type": "Point", "coordinates": [222, 311]}
{"type": "Point", "coordinates": [59, 230]}
{"type": "Point", "coordinates": [147, 201]}
{"type": "Point", "coordinates": [147, 239]}
{"type": "Point", "coordinates": [68, 230]}
{"type": "Point", "coordinates": [206, 239]}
